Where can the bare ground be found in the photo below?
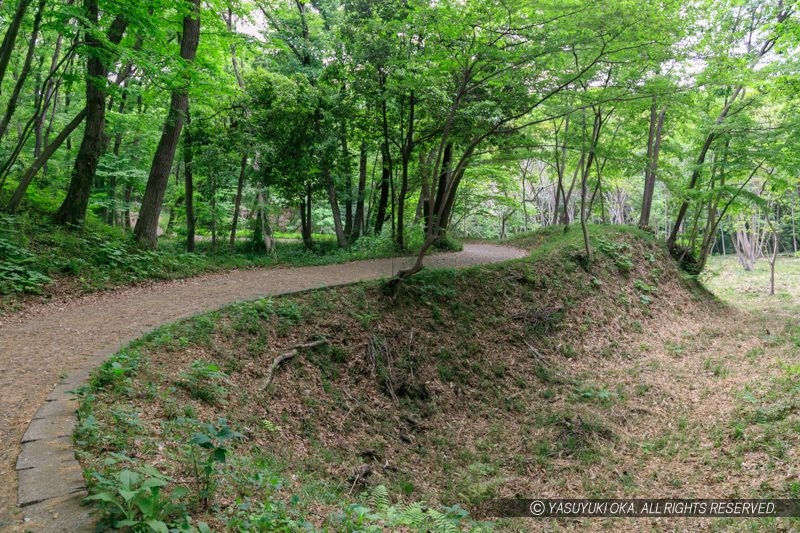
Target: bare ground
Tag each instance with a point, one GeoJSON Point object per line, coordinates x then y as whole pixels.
{"type": "Point", "coordinates": [47, 341]}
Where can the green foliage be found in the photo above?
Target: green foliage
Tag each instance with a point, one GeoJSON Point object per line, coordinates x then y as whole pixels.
{"type": "Point", "coordinates": [18, 272]}
{"type": "Point", "coordinates": [268, 516]}
{"type": "Point", "coordinates": [619, 252]}
{"type": "Point", "coordinates": [201, 381]}
{"type": "Point", "coordinates": [213, 440]}
{"type": "Point", "coordinates": [116, 371]}
{"type": "Point", "coordinates": [379, 514]}
{"type": "Point", "coordinates": [601, 395]}
{"type": "Point", "coordinates": [134, 500]}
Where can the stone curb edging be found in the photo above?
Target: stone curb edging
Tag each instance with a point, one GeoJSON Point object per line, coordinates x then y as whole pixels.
{"type": "Point", "coordinates": [50, 479]}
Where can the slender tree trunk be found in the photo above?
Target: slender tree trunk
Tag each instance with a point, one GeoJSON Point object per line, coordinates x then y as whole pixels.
{"type": "Point", "coordinates": [126, 217]}
{"type": "Point", "coordinates": [238, 201]}
{"type": "Point", "coordinates": [597, 126]}
{"type": "Point", "coordinates": [651, 170]}
{"type": "Point", "coordinates": [341, 237]}
{"type": "Point", "coordinates": [348, 181]}
{"type": "Point", "coordinates": [566, 194]}
{"type": "Point", "coordinates": [73, 208]}
{"type": "Point", "coordinates": [408, 147]}
{"type": "Point", "coordinates": [450, 199]}
{"type": "Point", "coordinates": [383, 199]}
{"type": "Point", "coordinates": [147, 223]}
{"type": "Point", "coordinates": [173, 210]}
{"type": "Point", "coordinates": [11, 106]}
{"type": "Point", "coordinates": [305, 219]}
{"type": "Point", "coordinates": [213, 182]}
{"type": "Point", "coordinates": [188, 176]}
{"type": "Point", "coordinates": [561, 166]}
{"type": "Point", "coordinates": [441, 191]}
{"type": "Point", "coordinates": [10, 38]}
{"type": "Point", "coordinates": [358, 221]}
{"type": "Point", "coordinates": [773, 258]}
{"type": "Point", "coordinates": [30, 173]}
{"type": "Point", "coordinates": [524, 202]}
{"type": "Point", "coordinates": [266, 230]}
{"type": "Point", "coordinates": [243, 164]}
{"type": "Point", "coordinates": [116, 150]}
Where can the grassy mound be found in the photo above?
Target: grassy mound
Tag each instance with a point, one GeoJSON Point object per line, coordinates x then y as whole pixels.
{"type": "Point", "coordinates": [524, 378]}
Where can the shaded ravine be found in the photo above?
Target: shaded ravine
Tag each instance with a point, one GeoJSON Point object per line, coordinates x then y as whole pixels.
{"type": "Point", "coordinates": [38, 351]}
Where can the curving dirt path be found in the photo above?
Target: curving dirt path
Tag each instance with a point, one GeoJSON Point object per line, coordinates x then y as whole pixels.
{"type": "Point", "coordinates": [40, 347]}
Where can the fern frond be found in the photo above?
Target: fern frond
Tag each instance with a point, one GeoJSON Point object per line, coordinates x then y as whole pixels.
{"type": "Point", "coordinates": [379, 498]}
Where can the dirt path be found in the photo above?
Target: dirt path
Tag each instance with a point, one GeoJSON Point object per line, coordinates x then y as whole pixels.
{"type": "Point", "coordinates": [38, 348]}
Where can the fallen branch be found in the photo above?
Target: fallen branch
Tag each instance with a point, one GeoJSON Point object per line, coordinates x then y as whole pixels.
{"type": "Point", "coordinates": [286, 356]}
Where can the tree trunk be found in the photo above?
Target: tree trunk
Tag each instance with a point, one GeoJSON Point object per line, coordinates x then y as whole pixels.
{"type": "Point", "coordinates": [11, 106]}
{"type": "Point", "coordinates": [305, 219]}
{"type": "Point", "coordinates": [173, 210]}
{"type": "Point", "coordinates": [126, 216]}
{"type": "Point", "coordinates": [560, 153]}
{"type": "Point", "coordinates": [237, 205]}
{"type": "Point", "coordinates": [147, 223]}
{"type": "Point", "coordinates": [774, 257]}
{"type": "Point", "coordinates": [651, 170]}
{"type": "Point", "coordinates": [441, 191]}
{"type": "Point", "coordinates": [794, 229]}
{"type": "Point", "coordinates": [566, 195]}
{"type": "Point", "coordinates": [383, 199]}
{"type": "Point", "coordinates": [408, 147]}
{"type": "Point", "coordinates": [266, 230]}
{"type": "Point", "coordinates": [358, 220]}
{"type": "Point", "coordinates": [73, 208]}
{"type": "Point", "coordinates": [450, 199]}
{"type": "Point", "coordinates": [341, 237]}
{"type": "Point", "coordinates": [115, 150]}
{"type": "Point", "coordinates": [348, 182]}
{"type": "Point", "coordinates": [243, 165]}
{"type": "Point", "coordinates": [212, 181]}
{"type": "Point", "coordinates": [188, 177]}
{"type": "Point", "coordinates": [27, 178]}
{"type": "Point", "coordinates": [10, 38]}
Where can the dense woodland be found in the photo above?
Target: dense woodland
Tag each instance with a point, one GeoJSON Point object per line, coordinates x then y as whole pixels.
{"type": "Point", "coordinates": [409, 119]}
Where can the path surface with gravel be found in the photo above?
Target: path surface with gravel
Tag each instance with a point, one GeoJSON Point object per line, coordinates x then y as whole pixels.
{"type": "Point", "coordinates": [43, 345]}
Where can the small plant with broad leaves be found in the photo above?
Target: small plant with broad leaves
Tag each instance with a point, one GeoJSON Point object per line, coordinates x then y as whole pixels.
{"type": "Point", "coordinates": [207, 449]}
{"type": "Point", "coordinates": [134, 499]}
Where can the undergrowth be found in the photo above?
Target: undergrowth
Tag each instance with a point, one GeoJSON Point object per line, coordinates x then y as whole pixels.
{"type": "Point", "coordinates": [40, 258]}
{"type": "Point", "coordinates": [465, 385]}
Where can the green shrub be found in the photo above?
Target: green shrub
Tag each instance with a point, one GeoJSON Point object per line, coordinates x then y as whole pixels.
{"type": "Point", "coordinates": [18, 270]}
{"type": "Point", "coordinates": [133, 500]}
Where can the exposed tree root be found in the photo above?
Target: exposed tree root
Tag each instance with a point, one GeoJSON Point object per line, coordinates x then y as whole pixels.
{"type": "Point", "coordinates": [279, 360]}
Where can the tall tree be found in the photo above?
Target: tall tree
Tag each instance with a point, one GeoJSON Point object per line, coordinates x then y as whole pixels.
{"type": "Point", "coordinates": [762, 23]}
{"type": "Point", "coordinates": [101, 56]}
{"type": "Point", "coordinates": [10, 38]}
{"type": "Point", "coordinates": [654, 137]}
{"type": "Point", "coordinates": [11, 106]}
{"type": "Point", "coordinates": [146, 229]}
